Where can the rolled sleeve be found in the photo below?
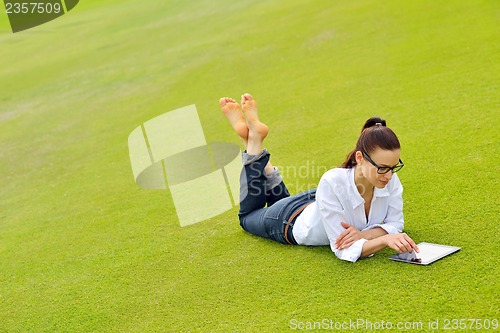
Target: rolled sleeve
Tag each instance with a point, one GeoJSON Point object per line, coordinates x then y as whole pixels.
{"type": "Point", "coordinates": [332, 214]}
{"type": "Point", "coordinates": [352, 253]}
{"type": "Point", "coordinates": [390, 228]}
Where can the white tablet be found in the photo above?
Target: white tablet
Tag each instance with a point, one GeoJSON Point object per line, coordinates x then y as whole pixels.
{"type": "Point", "coordinates": [428, 254]}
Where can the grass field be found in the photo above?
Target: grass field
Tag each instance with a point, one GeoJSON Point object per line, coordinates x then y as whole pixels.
{"type": "Point", "coordinates": [83, 249]}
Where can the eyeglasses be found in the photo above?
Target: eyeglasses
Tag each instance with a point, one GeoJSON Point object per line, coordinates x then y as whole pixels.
{"type": "Point", "coordinates": [384, 169]}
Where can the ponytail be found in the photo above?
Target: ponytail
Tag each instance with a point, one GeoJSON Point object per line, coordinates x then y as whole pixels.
{"type": "Point", "coordinates": [374, 134]}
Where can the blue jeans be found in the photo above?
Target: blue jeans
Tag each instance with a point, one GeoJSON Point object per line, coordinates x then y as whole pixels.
{"type": "Point", "coordinates": [256, 192]}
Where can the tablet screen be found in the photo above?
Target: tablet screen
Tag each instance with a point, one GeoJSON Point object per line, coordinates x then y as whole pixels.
{"type": "Point", "coordinates": [428, 253]}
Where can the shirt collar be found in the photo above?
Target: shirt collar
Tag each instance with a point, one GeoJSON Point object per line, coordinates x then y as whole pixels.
{"type": "Point", "coordinates": [381, 192]}
{"type": "Point", "coordinates": [356, 198]}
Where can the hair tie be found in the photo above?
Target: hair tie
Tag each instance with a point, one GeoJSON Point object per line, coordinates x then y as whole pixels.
{"type": "Point", "coordinates": [378, 124]}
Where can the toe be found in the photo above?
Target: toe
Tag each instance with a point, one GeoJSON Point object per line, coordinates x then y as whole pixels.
{"type": "Point", "coordinates": [222, 101]}
{"type": "Point", "coordinates": [248, 97]}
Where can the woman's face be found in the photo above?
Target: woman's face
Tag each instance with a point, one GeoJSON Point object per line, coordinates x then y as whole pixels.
{"type": "Point", "coordinates": [382, 158]}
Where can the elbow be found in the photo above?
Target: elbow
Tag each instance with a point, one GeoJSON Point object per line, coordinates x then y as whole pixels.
{"type": "Point", "coordinates": [341, 256]}
{"type": "Point", "coordinates": [352, 253]}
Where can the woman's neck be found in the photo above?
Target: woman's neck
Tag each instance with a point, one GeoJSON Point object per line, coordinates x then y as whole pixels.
{"type": "Point", "coordinates": [362, 184]}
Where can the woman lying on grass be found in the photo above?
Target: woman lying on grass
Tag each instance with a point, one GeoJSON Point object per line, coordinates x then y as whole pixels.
{"type": "Point", "coordinates": [357, 209]}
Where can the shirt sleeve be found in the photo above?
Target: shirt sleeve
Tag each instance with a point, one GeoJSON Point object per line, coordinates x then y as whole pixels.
{"type": "Point", "coordinates": [332, 214]}
{"type": "Point", "coordinates": [394, 220]}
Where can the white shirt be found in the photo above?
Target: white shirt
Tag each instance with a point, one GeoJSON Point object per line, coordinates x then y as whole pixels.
{"type": "Point", "coordinates": [338, 200]}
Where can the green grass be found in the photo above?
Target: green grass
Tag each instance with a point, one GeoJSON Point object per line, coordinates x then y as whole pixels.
{"type": "Point", "coordinates": [83, 249]}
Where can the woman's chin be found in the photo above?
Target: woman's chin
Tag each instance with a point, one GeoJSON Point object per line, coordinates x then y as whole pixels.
{"type": "Point", "coordinates": [381, 184]}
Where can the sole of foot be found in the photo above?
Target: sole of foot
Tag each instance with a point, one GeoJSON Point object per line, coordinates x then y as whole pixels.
{"type": "Point", "coordinates": [232, 111]}
{"type": "Point", "coordinates": [255, 126]}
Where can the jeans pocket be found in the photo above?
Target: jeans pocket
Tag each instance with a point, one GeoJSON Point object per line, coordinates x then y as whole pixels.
{"type": "Point", "coordinates": [277, 210]}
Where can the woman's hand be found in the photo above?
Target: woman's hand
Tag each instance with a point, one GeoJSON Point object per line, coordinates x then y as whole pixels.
{"type": "Point", "coordinates": [348, 237]}
{"type": "Point", "coordinates": [401, 243]}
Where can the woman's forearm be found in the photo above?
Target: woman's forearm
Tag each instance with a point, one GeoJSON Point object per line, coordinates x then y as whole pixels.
{"type": "Point", "coordinates": [399, 242]}
{"type": "Point", "coordinates": [373, 233]}
{"type": "Point", "coordinates": [373, 245]}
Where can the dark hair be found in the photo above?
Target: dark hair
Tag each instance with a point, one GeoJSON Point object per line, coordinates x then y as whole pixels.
{"type": "Point", "coordinates": [375, 134]}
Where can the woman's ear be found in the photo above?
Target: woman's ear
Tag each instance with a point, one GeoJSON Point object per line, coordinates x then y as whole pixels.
{"type": "Point", "coordinates": [359, 156]}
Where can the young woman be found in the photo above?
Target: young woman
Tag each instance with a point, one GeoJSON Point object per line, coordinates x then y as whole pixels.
{"type": "Point", "coordinates": [357, 209]}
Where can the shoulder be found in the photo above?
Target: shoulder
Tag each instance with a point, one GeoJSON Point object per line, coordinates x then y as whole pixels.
{"type": "Point", "coordinates": [334, 187]}
{"type": "Point", "coordinates": [335, 178]}
{"type": "Point", "coordinates": [336, 175]}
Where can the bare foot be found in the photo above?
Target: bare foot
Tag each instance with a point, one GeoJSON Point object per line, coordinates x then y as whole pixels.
{"type": "Point", "coordinates": [256, 128]}
{"type": "Point", "coordinates": [233, 113]}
